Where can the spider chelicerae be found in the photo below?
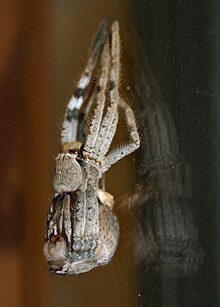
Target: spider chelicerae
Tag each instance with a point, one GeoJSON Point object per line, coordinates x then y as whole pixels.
{"type": "Point", "coordinates": [82, 230]}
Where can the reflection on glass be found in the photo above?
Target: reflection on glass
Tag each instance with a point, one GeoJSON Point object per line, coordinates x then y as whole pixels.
{"type": "Point", "coordinates": [167, 235]}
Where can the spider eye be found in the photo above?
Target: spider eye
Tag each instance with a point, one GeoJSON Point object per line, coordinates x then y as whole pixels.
{"type": "Point", "coordinates": [68, 174]}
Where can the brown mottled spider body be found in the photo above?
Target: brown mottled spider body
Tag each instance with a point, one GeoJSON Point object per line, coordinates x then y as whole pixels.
{"type": "Point", "coordinates": [82, 230]}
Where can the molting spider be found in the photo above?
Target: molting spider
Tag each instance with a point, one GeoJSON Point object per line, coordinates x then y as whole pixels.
{"type": "Point", "coordinates": [82, 230]}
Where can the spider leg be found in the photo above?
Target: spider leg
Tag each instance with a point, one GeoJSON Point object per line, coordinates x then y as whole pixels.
{"type": "Point", "coordinates": [54, 218]}
{"type": "Point", "coordinates": [110, 120]}
{"type": "Point", "coordinates": [82, 127]}
{"type": "Point", "coordinates": [67, 218]}
{"type": "Point", "coordinates": [124, 150]}
{"type": "Point", "coordinates": [86, 213]}
{"type": "Point", "coordinates": [106, 136]}
{"type": "Point", "coordinates": [70, 124]}
{"type": "Point", "coordinates": [92, 214]}
{"type": "Point", "coordinates": [58, 218]}
{"type": "Point", "coordinates": [98, 112]}
{"type": "Point", "coordinates": [79, 221]}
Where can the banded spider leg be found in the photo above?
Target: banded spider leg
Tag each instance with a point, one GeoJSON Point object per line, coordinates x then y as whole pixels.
{"type": "Point", "coordinates": [72, 114]}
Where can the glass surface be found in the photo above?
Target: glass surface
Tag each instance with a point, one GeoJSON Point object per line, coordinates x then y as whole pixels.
{"type": "Point", "coordinates": [166, 193]}
{"type": "Point", "coordinates": [181, 43]}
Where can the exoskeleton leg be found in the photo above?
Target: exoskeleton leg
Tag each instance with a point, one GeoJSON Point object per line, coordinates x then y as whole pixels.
{"type": "Point", "coordinates": [110, 120]}
{"type": "Point", "coordinates": [124, 150]}
{"type": "Point", "coordinates": [97, 117]}
{"type": "Point", "coordinates": [70, 124]}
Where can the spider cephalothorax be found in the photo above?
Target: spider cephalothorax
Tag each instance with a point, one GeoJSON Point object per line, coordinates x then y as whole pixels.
{"type": "Point", "coordinates": [82, 230]}
{"type": "Point", "coordinates": [67, 173]}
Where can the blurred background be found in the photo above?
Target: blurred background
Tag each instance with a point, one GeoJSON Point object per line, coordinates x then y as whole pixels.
{"type": "Point", "coordinates": [44, 47]}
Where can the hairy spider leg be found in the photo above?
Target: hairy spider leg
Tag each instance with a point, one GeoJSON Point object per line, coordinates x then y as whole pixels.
{"type": "Point", "coordinates": [59, 218]}
{"type": "Point", "coordinates": [70, 124]}
{"type": "Point", "coordinates": [82, 130]}
{"type": "Point", "coordinates": [124, 150]}
{"type": "Point", "coordinates": [79, 220]}
{"type": "Point", "coordinates": [86, 212]}
{"type": "Point", "coordinates": [53, 218]}
{"type": "Point", "coordinates": [98, 112]}
{"type": "Point", "coordinates": [92, 213]}
{"type": "Point", "coordinates": [109, 123]}
{"type": "Point", "coordinates": [67, 218]}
